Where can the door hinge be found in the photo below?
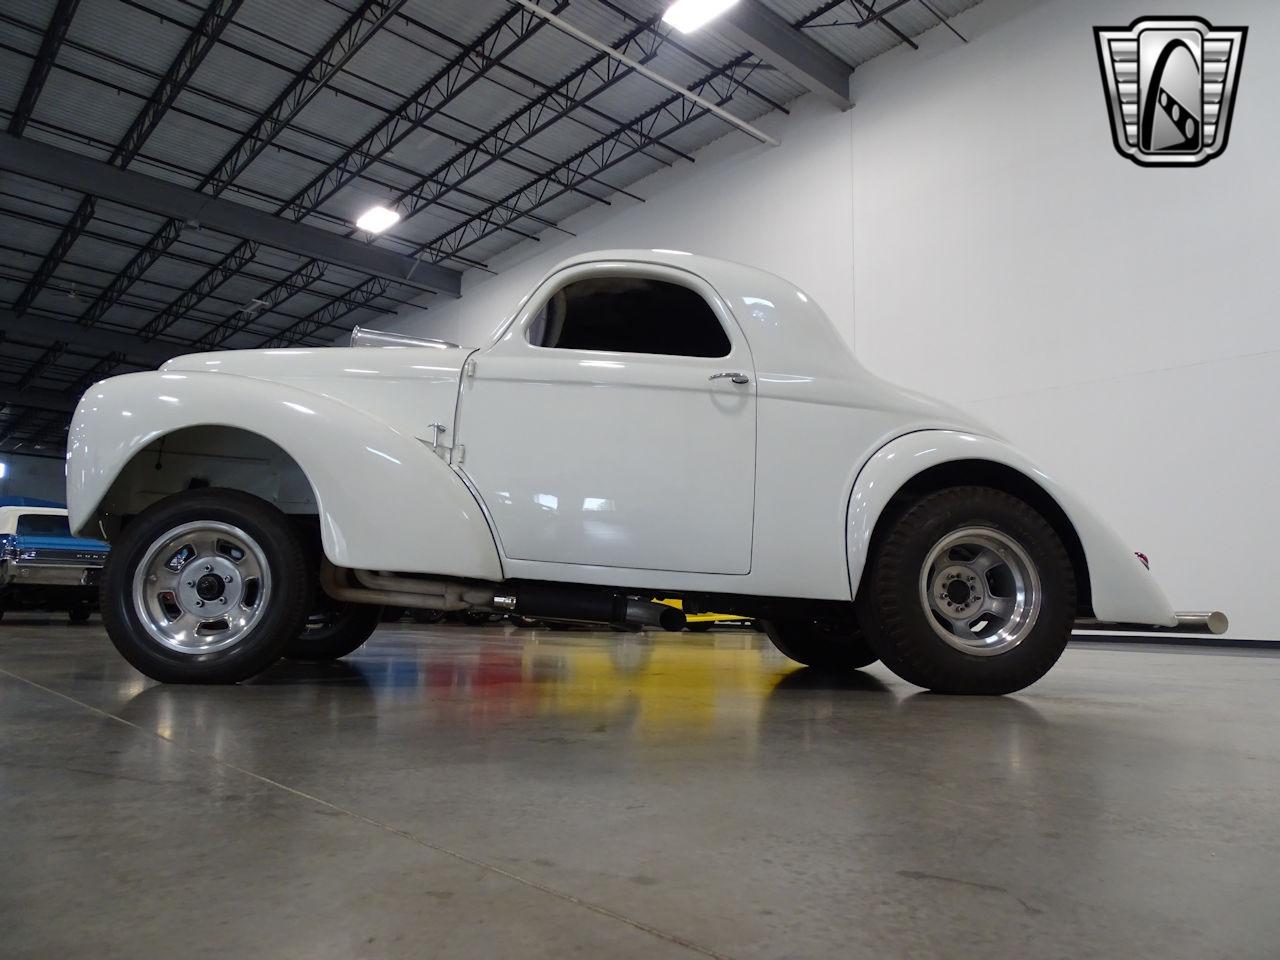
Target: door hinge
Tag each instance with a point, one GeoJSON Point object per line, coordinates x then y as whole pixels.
{"type": "Point", "coordinates": [459, 452]}
{"type": "Point", "coordinates": [469, 369]}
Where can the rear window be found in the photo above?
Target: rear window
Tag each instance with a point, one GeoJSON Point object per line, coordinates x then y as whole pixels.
{"type": "Point", "coordinates": [630, 315]}
{"type": "Point", "coordinates": [43, 525]}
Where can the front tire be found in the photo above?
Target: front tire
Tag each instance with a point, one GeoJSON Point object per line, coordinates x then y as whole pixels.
{"type": "Point", "coordinates": [822, 644]}
{"type": "Point", "coordinates": [335, 631]}
{"type": "Point", "coordinates": [969, 591]}
{"type": "Point", "coordinates": [205, 586]}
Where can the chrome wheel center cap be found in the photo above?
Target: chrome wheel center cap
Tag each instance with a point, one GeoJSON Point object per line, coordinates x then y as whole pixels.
{"type": "Point", "coordinates": [209, 586]}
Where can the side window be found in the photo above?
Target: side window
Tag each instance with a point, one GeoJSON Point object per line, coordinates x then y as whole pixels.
{"type": "Point", "coordinates": [629, 315]}
{"type": "Point", "coordinates": [42, 525]}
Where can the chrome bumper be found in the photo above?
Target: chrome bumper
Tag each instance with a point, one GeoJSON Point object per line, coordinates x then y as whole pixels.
{"type": "Point", "coordinates": [15, 573]}
{"type": "Point", "coordinates": [1210, 622]}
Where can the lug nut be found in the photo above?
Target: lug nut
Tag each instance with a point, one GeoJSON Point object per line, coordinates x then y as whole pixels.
{"type": "Point", "coordinates": [227, 578]}
{"type": "Point", "coordinates": [199, 603]}
{"type": "Point", "coordinates": [207, 568]}
{"type": "Point", "coordinates": [191, 583]}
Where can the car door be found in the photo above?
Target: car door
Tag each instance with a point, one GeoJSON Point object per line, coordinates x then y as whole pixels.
{"type": "Point", "coordinates": [613, 424]}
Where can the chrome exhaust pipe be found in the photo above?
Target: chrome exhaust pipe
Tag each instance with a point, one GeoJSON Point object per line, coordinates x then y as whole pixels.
{"type": "Point", "coordinates": [1214, 622]}
{"type": "Point", "coordinates": [1209, 622]}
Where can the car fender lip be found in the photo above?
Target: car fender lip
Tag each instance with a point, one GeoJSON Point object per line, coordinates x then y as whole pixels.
{"type": "Point", "coordinates": [1121, 590]}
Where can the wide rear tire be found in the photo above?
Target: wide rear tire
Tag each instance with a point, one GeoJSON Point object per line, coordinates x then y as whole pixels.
{"type": "Point", "coordinates": [205, 586]}
{"type": "Point", "coordinates": [969, 590]}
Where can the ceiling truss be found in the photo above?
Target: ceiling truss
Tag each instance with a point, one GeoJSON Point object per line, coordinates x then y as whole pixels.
{"type": "Point", "coordinates": [505, 178]}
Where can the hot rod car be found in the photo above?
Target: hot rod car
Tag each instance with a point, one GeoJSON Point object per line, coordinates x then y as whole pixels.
{"type": "Point", "coordinates": [647, 423]}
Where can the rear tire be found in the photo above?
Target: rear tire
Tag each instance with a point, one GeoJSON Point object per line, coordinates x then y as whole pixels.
{"type": "Point", "coordinates": [161, 602]}
{"type": "Point", "coordinates": [969, 590]}
{"type": "Point", "coordinates": [335, 631]}
{"type": "Point", "coordinates": [824, 644]}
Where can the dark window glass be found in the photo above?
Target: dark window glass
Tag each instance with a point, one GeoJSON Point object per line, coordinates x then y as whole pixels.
{"type": "Point", "coordinates": [630, 315]}
{"type": "Point", "coordinates": [42, 525]}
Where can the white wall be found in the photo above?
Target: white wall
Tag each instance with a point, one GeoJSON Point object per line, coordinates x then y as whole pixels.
{"type": "Point", "coordinates": [971, 214]}
{"type": "Point", "coordinates": [1119, 323]}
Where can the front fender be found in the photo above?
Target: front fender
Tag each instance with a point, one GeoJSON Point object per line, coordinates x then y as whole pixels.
{"type": "Point", "coordinates": [385, 501]}
{"type": "Point", "coordinates": [1123, 590]}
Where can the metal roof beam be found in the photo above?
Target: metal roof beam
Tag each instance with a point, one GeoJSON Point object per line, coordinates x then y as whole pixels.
{"type": "Point", "coordinates": [505, 36]}
{"type": "Point", "coordinates": [33, 328]}
{"type": "Point", "coordinates": [687, 93]}
{"type": "Point", "coordinates": [752, 25]}
{"type": "Point", "coordinates": [197, 46]}
{"type": "Point", "coordinates": [36, 399]}
{"type": "Point", "coordinates": [293, 284]}
{"type": "Point", "coordinates": [75, 171]}
{"type": "Point", "coordinates": [57, 424]}
{"type": "Point", "coordinates": [320, 70]}
{"type": "Point", "coordinates": [499, 40]}
{"type": "Point", "coordinates": [358, 296]}
{"type": "Point", "coordinates": [54, 34]}
{"type": "Point", "coordinates": [621, 143]}
{"type": "Point", "coordinates": [590, 80]}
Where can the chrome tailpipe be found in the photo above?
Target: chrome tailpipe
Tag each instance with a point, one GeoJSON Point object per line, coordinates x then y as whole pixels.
{"type": "Point", "coordinates": [1209, 622]}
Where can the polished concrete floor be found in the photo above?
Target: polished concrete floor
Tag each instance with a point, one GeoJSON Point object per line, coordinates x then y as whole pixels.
{"type": "Point", "coordinates": [457, 792]}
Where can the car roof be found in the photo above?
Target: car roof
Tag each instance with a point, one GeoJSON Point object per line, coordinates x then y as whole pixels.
{"type": "Point", "coordinates": [787, 331]}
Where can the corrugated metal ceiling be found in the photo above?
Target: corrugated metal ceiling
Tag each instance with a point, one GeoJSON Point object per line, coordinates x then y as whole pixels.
{"type": "Point", "coordinates": [115, 52]}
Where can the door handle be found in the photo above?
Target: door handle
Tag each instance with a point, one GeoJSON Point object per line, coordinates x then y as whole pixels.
{"type": "Point", "coordinates": [738, 378]}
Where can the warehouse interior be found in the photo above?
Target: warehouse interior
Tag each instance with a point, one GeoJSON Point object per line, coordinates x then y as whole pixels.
{"type": "Point", "coordinates": [190, 176]}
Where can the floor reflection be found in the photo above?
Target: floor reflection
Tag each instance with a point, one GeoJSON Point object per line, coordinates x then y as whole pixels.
{"type": "Point", "coordinates": [649, 687]}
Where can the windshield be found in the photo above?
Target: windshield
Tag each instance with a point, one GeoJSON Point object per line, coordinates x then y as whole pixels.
{"type": "Point", "coordinates": [43, 525]}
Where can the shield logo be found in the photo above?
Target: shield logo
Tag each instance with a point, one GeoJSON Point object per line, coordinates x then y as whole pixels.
{"type": "Point", "coordinates": [1170, 84]}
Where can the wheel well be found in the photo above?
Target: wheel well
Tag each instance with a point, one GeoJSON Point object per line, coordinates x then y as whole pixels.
{"type": "Point", "coordinates": [987, 473]}
{"type": "Point", "coordinates": [194, 458]}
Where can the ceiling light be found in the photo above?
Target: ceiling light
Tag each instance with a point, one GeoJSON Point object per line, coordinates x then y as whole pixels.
{"type": "Point", "coordinates": [377, 219]}
{"type": "Point", "coordinates": [688, 15]}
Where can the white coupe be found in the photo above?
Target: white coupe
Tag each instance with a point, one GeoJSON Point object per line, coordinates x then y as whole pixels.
{"type": "Point", "coordinates": [647, 423]}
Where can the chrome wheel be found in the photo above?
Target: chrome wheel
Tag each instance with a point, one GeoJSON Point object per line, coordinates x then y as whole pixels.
{"type": "Point", "coordinates": [980, 591]}
{"type": "Point", "coordinates": [201, 587]}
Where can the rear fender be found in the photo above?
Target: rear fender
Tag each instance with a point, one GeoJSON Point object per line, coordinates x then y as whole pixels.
{"type": "Point", "coordinates": [1122, 589]}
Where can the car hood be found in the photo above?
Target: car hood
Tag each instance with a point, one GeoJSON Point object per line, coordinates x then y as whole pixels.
{"type": "Point", "coordinates": [320, 363]}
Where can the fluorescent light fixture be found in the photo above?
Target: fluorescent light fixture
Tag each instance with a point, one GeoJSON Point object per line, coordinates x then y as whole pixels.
{"type": "Point", "coordinates": [688, 15]}
{"type": "Point", "coordinates": [377, 219]}
{"type": "Point", "coordinates": [4, 468]}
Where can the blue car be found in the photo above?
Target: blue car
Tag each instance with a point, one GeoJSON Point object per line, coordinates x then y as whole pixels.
{"type": "Point", "coordinates": [42, 566]}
